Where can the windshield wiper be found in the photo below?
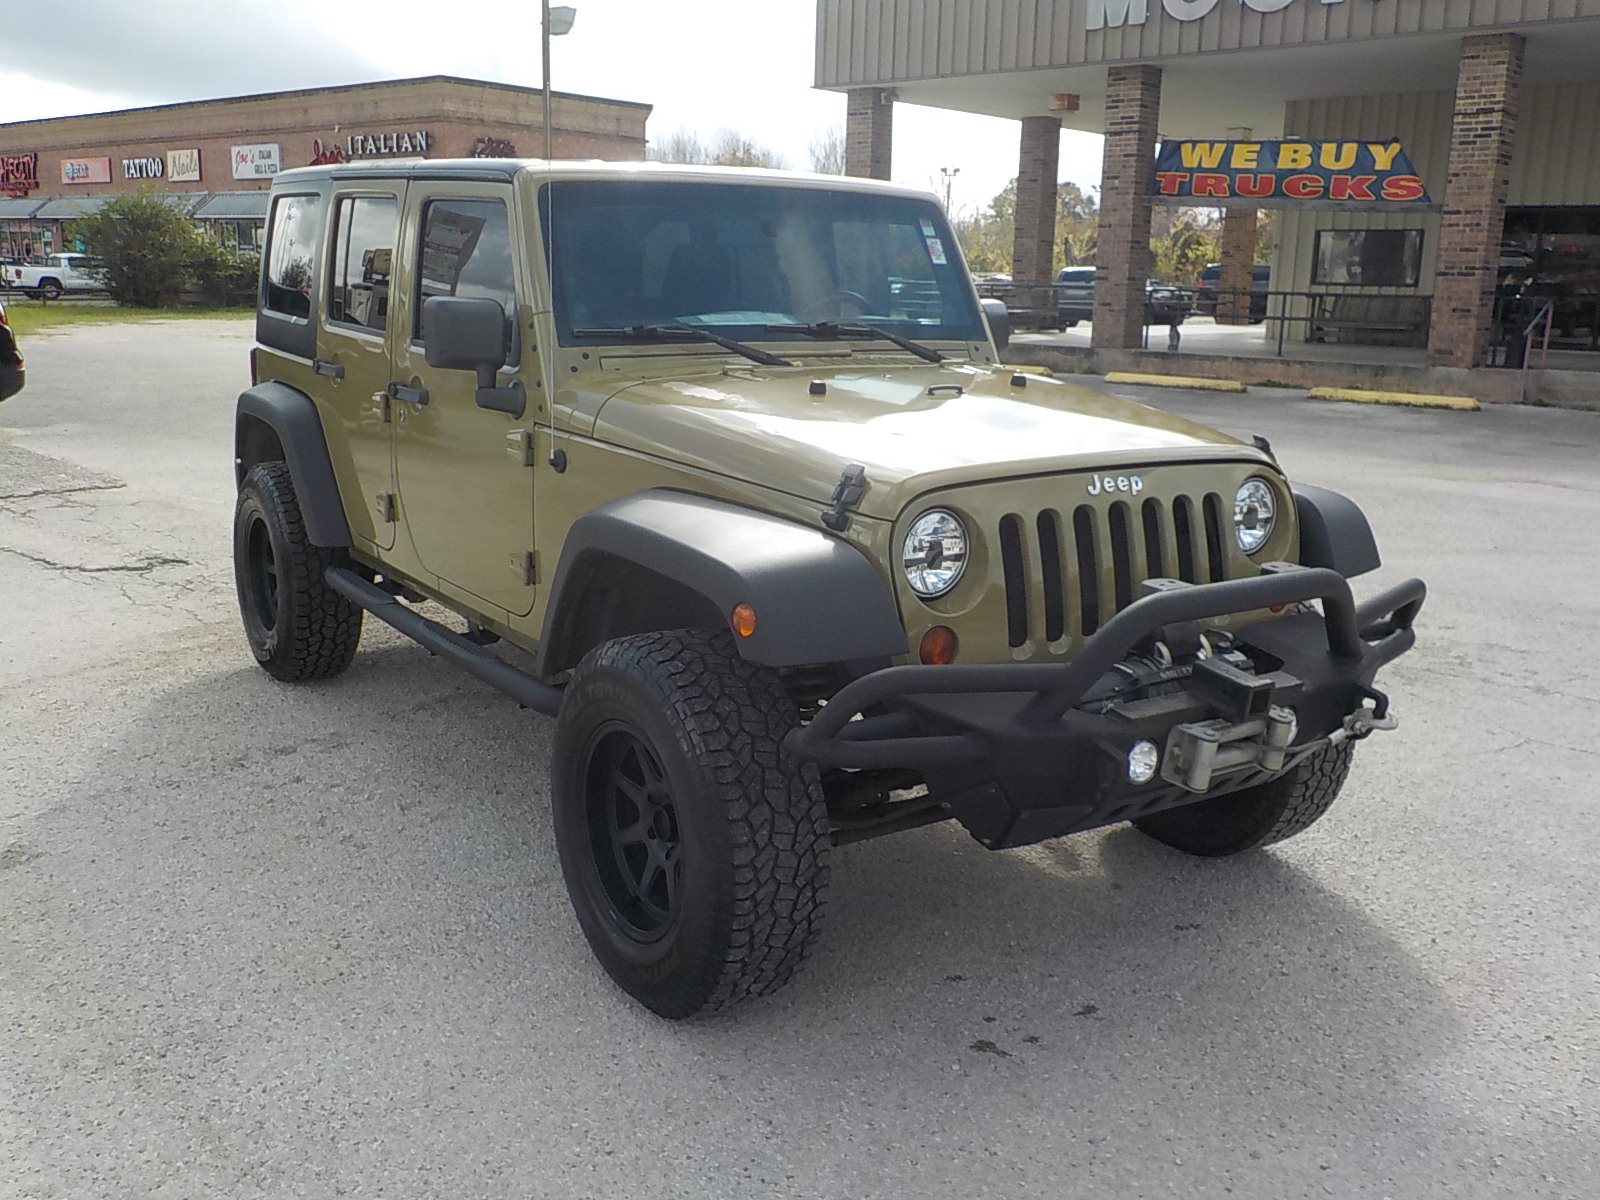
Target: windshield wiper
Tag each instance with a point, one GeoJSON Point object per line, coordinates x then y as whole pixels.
{"type": "Point", "coordinates": [692, 333]}
{"type": "Point", "coordinates": [830, 330]}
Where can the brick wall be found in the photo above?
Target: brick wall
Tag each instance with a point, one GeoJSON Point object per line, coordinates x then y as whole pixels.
{"type": "Point", "coordinates": [869, 133]}
{"type": "Point", "coordinates": [1482, 138]}
{"type": "Point", "coordinates": [1133, 110]}
{"type": "Point", "coordinates": [1238, 256]}
{"type": "Point", "coordinates": [1033, 244]}
{"type": "Point", "coordinates": [454, 112]}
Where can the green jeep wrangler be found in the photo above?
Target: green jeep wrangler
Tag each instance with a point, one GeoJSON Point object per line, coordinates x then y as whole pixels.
{"type": "Point", "coordinates": [729, 459]}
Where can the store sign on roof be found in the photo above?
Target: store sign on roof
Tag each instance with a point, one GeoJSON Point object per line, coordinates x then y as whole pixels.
{"type": "Point", "coordinates": [1100, 14]}
{"type": "Point", "coordinates": [1287, 174]}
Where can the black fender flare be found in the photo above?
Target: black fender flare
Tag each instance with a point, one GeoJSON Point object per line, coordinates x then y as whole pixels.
{"type": "Point", "coordinates": [817, 598]}
{"type": "Point", "coordinates": [292, 416]}
{"type": "Point", "coordinates": [1334, 532]}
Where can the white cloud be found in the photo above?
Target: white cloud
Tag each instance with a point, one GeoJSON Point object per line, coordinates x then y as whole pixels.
{"type": "Point", "coordinates": [739, 64]}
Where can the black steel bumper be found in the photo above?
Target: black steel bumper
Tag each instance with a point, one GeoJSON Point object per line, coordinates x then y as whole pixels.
{"type": "Point", "coordinates": [1006, 749]}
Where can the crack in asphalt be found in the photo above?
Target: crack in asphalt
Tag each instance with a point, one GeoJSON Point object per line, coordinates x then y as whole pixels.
{"type": "Point", "coordinates": [139, 568]}
{"type": "Point", "coordinates": [62, 491]}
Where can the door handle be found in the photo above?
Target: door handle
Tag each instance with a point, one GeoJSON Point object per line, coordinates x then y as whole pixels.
{"type": "Point", "coordinates": [411, 395]}
{"type": "Point", "coordinates": [322, 366]}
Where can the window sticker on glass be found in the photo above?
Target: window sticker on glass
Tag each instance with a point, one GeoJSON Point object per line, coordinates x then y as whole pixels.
{"type": "Point", "coordinates": [927, 228]}
{"type": "Point", "coordinates": [936, 251]}
{"type": "Point", "coordinates": [449, 241]}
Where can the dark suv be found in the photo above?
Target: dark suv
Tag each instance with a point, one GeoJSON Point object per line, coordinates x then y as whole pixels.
{"type": "Point", "coordinates": [12, 374]}
{"type": "Point", "coordinates": [1206, 290]}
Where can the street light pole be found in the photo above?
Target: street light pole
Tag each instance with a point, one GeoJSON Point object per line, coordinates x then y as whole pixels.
{"type": "Point", "coordinates": [949, 174]}
{"type": "Point", "coordinates": [563, 17]}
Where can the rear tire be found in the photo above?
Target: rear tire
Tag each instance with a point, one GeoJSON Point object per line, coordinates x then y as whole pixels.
{"type": "Point", "coordinates": [298, 627]}
{"type": "Point", "coordinates": [1256, 816]}
{"type": "Point", "coordinates": [695, 850]}
{"type": "Point", "coordinates": [49, 289]}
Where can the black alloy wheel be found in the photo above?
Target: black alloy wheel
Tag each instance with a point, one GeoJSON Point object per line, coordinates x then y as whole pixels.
{"type": "Point", "coordinates": [633, 833]}
{"type": "Point", "coordinates": [298, 627]}
{"type": "Point", "coordinates": [693, 846]}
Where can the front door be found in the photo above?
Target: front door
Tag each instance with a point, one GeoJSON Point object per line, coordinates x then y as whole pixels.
{"type": "Point", "coordinates": [466, 499]}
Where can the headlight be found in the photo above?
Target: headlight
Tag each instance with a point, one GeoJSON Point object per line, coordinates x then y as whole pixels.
{"type": "Point", "coordinates": [935, 552]}
{"type": "Point", "coordinates": [1254, 506]}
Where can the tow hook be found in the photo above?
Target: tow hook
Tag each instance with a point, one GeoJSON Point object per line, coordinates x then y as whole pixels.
{"type": "Point", "coordinates": [1362, 722]}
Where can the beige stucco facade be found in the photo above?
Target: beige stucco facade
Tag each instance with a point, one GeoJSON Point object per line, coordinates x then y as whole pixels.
{"type": "Point", "coordinates": [1497, 104]}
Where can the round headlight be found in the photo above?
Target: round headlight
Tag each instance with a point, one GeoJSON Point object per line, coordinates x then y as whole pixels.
{"type": "Point", "coordinates": [935, 552]}
{"type": "Point", "coordinates": [1254, 506]}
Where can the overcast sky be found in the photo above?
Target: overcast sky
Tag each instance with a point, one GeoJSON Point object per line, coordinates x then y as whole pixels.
{"type": "Point", "coordinates": [704, 64]}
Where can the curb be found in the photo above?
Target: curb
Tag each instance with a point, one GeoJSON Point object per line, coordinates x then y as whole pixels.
{"type": "Point", "coordinates": [1409, 399]}
{"type": "Point", "coordinates": [1176, 381]}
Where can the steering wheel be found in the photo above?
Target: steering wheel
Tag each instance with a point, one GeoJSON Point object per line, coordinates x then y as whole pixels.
{"type": "Point", "coordinates": [832, 307]}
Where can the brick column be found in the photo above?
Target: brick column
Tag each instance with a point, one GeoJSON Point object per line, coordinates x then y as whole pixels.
{"type": "Point", "coordinates": [1133, 108]}
{"type": "Point", "coordinates": [1238, 257]}
{"type": "Point", "coordinates": [1034, 239]}
{"type": "Point", "coordinates": [869, 132]}
{"type": "Point", "coordinates": [1482, 136]}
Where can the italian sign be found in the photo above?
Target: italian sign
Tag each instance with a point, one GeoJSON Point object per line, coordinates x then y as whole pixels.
{"type": "Point", "coordinates": [86, 170]}
{"type": "Point", "coordinates": [183, 166]}
{"type": "Point", "coordinates": [259, 161]}
{"type": "Point", "coordinates": [1287, 174]}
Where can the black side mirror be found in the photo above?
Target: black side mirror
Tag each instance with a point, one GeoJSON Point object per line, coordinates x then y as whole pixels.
{"type": "Point", "coordinates": [462, 333]}
{"type": "Point", "coordinates": [999, 321]}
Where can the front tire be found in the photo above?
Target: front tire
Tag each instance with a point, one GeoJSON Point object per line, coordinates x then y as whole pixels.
{"type": "Point", "coordinates": [695, 850]}
{"type": "Point", "coordinates": [298, 627]}
{"type": "Point", "coordinates": [1256, 816]}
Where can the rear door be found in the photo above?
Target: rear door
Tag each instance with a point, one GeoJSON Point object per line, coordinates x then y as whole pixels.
{"type": "Point", "coordinates": [466, 495]}
{"type": "Point", "coordinates": [355, 348]}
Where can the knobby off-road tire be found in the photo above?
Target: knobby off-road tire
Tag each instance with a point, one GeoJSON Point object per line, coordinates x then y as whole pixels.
{"type": "Point", "coordinates": [1257, 816]}
{"type": "Point", "coordinates": [298, 627]}
{"type": "Point", "coordinates": [695, 849]}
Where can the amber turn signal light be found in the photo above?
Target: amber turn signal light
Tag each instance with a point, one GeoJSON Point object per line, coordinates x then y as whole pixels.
{"type": "Point", "coordinates": [743, 619]}
{"type": "Point", "coordinates": [938, 646]}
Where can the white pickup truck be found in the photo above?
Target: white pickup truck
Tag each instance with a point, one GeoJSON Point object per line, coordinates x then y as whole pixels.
{"type": "Point", "coordinates": [52, 275]}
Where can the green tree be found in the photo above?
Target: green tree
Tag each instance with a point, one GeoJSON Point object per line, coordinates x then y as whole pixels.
{"type": "Point", "coordinates": [146, 246]}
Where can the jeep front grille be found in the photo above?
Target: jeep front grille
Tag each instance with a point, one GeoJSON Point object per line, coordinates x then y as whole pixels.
{"type": "Point", "coordinates": [1067, 574]}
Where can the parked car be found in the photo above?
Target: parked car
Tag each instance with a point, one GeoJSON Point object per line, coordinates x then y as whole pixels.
{"type": "Point", "coordinates": [12, 374]}
{"type": "Point", "coordinates": [1074, 295]}
{"type": "Point", "coordinates": [1164, 304]}
{"type": "Point", "coordinates": [48, 277]}
{"type": "Point", "coordinates": [1206, 290]}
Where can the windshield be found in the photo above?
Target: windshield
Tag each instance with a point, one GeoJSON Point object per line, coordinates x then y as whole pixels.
{"type": "Point", "coordinates": [737, 258]}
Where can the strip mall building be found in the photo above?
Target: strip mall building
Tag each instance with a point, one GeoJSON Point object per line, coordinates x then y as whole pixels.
{"type": "Point", "coordinates": [219, 156]}
{"type": "Point", "coordinates": [1293, 105]}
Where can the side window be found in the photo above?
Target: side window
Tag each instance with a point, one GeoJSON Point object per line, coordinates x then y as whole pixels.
{"type": "Point", "coordinates": [466, 251]}
{"type": "Point", "coordinates": [292, 253]}
{"type": "Point", "coordinates": [364, 231]}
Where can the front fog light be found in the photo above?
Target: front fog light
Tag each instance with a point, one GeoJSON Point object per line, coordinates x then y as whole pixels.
{"type": "Point", "coordinates": [1142, 762]}
{"type": "Point", "coordinates": [1254, 507]}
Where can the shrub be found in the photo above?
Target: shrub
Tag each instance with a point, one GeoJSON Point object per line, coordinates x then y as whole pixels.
{"type": "Point", "coordinates": [146, 246]}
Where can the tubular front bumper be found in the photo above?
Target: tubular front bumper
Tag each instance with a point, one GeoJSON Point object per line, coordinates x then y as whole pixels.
{"type": "Point", "coordinates": [1004, 747]}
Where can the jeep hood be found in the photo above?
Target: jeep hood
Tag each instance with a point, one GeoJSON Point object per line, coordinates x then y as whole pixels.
{"type": "Point", "coordinates": [914, 429]}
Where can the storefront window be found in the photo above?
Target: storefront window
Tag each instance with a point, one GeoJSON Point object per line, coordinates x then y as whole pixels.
{"type": "Point", "coordinates": [1368, 257]}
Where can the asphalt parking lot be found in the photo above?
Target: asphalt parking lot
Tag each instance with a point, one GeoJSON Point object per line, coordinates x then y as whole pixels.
{"type": "Point", "coordinates": [259, 941]}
